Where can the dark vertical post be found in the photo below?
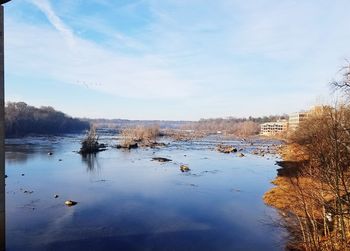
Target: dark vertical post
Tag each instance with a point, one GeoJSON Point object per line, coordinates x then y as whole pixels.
{"type": "Point", "coordinates": [2, 133]}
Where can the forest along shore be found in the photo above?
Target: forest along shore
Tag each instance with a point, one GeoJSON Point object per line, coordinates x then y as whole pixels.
{"type": "Point", "coordinates": [22, 119]}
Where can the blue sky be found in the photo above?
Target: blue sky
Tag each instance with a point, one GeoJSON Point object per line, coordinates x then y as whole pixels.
{"type": "Point", "coordinates": [174, 59]}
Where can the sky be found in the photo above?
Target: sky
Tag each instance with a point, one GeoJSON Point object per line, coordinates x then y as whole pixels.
{"type": "Point", "coordinates": [174, 59]}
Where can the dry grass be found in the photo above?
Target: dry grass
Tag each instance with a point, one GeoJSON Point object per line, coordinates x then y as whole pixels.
{"type": "Point", "coordinates": [286, 195]}
{"type": "Point", "coordinates": [293, 152]}
{"type": "Point", "coordinates": [184, 135]}
{"type": "Point", "coordinates": [298, 194]}
{"type": "Point", "coordinates": [143, 135]}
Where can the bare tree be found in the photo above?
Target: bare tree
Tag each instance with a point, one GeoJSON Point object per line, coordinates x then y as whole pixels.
{"type": "Point", "coordinates": [344, 83]}
{"type": "Point", "coordinates": [315, 198]}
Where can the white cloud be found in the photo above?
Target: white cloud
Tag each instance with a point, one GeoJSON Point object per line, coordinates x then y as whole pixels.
{"type": "Point", "coordinates": [237, 51]}
{"type": "Point", "coordinates": [86, 63]}
{"type": "Point", "coordinates": [46, 8]}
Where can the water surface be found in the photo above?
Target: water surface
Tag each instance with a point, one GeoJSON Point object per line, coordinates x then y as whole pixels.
{"type": "Point", "coordinates": [126, 201]}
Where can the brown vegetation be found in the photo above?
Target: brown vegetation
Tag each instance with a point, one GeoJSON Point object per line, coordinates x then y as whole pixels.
{"type": "Point", "coordinates": [90, 143]}
{"type": "Point", "coordinates": [140, 136]}
{"type": "Point", "coordinates": [184, 135]}
{"type": "Point", "coordinates": [314, 200]}
{"type": "Point", "coordinates": [233, 127]}
{"type": "Point", "coordinates": [312, 190]}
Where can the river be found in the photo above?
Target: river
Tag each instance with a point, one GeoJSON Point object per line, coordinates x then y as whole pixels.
{"type": "Point", "coordinates": [126, 201]}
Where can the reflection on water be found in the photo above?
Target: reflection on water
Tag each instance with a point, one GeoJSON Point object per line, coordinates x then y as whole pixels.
{"type": "Point", "coordinates": [14, 156]}
{"type": "Point", "coordinates": [126, 201]}
{"type": "Point", "coordinates": [91, 162]}
{"type": "Point", "coordinates": [19, 150]}
{"type": "Point", "coordinates": [21, 153]}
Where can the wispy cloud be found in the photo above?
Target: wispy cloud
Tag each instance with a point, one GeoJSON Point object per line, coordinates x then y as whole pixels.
{"type": "Point", "coordinates": [90, 65]}
{"type": "Point", "coordinates": [46, 8]}
{"type": "Point", "coordinates": [271, 52]}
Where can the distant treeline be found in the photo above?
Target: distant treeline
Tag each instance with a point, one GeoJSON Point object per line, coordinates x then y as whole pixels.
{"type": "Point", "coordinates": [22, 119]}
{"type": "Point", "coordinates": [126, 123]}
{"type": "Point", "coordinates": [207, 124]}
{"type": "Point", "coordinates": [232, 126]}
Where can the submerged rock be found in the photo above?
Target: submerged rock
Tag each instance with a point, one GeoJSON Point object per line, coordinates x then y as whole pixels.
{"type": "Point", "coordinates": [92, 148]}
{"type": "Point", "coordinates": [70, 203]}
{"type": "Point", "coordinates": [184, 168]}
{"type": "Point", "coordinates": [152, 144]}
{"type": "Point", "coordinates": [140, 143]}
{"type": "Point", "coordinates": [161, 159]}
{"type": "Point", "coordinates": [128, 146]}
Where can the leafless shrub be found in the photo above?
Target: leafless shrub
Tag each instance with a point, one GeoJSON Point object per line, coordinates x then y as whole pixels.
{"type": "Point", "coordinates": [90, 142]}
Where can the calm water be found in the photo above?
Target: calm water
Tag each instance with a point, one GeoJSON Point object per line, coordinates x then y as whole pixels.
{"type": "Point", "coordinates": [128, 202]}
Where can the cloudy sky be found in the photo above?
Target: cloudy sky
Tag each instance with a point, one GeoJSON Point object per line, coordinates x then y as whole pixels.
{"type": "Point", "coordinates": [174, 59]}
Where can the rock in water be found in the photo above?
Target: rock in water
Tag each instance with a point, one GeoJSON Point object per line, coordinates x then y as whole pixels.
{"type": "Point", "coordinates": [129, 146]}
{"type": "Point", "coordinates": [226, 149]}
{"type": "Point", "coordinates": [161, 159]}
{"type": "Point", "coordinates": [184, 168]}
{"type": "Point", "coordinates": [241, 155]}
{"type": "Point", "coordinates": [56, 196]}
{"type": "Point", "coordinates": [70, 203]}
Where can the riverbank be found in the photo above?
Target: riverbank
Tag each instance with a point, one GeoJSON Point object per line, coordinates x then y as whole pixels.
{"type": "Point", "coordinates": [285, 195]}
{"type": "Point", "coordinates": [282, 196]}
{"type": "Point", "coordinates": [305, 202]}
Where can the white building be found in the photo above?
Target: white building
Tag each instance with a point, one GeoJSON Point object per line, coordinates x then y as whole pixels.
{"type": "Point", "coordinates": [295, 119]}
{"type": "Point", "coordinates": [274, 128]}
